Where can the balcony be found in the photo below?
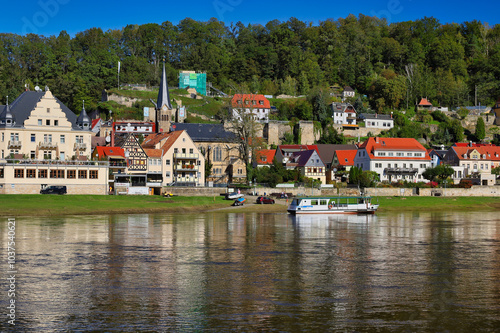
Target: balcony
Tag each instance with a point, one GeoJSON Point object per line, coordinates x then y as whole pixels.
{"type": "Point", "coordinates": [14, 144]}
{"type": "Point", "coordinates": [47, 145]}
{"type": "Point", "coordinates": [187, 167]}
{"type": "Point", "coordinates": [180, 179]}
{"type": "Point", "coordinates": [400, 171]}
{"type": "Point", "coordinates": [80, 146]}
{"type": "Point", "coordinates": [183, 156]}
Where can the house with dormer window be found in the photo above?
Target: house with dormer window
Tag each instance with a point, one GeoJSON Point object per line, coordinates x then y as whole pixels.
{"type": "Point", "coordinates": [254, 104]}
{"type": "Point", "coordinates": [308, 163]}
{"type": "Point", "coordinates": [474, 162]}
{"type": "Point", "coordinates": [344, 114]}
{"type": "Point", "coordinates": [393, 159]}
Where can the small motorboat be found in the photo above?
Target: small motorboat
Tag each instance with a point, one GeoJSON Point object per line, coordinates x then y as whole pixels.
{"type": "Point", "coordinates": [239, 202]}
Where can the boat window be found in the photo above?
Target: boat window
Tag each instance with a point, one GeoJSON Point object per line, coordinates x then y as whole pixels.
{"type": "Point", "coordinates": [295, 202]}
{"type": "Point", "coordinates": [314, 202]}
{"type": "Point", "coordinates": [323, 202]}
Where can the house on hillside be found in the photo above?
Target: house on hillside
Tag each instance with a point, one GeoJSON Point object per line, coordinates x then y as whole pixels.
{"type": "Point", "coordinates": [348, 92]}
{"type": "Point", "coordinates": [256, 105]}
{"type": "Point", "coordinates": [381, 121]}
{"type": "Point", "coordinates": [221, 149]}
{"type": "Point", "coordinates": [424, 104]}
{"type": "Point", "coordinates": [393, 159]}
{"type": "Point", "coordinates": [344, 114]}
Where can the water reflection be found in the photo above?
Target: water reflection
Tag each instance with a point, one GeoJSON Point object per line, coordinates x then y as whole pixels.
{"type": "Point", "coordinates": [259, 272]}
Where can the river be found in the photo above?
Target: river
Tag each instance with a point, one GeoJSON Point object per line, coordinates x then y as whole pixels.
{"type": "Point", "coordinates": [218, 272]}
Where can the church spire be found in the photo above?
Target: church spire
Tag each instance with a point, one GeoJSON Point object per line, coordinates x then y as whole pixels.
{"type": "Point", "coordinates": [163, 95]}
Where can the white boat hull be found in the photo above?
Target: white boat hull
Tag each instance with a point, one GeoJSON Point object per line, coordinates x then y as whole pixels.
{"type": "Point", "coordinates": [332, 206]}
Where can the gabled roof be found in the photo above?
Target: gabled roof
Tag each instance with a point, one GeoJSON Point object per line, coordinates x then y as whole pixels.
{"type": "Point", "coordinates": [153, 153]}
{"type": "Point", "coordinates": [95, 122]}
{"type": "Point", "coordinates": [152, 140]}
{"type": "Point", "coordinates": [491, 153]}
{"type": "Point", "coordinates": [294, 148]}
{"type": "Point", "coordinates": [265, 156]}
{"type": "Point", "coordinates": [376, 116]}
{"type": "Point", "coordinates": [250, 97]}
{"type": "Point", "coordinates": [346, 157]}
{"type": "Point", "coordinates": [23, 105]}
{"type": "Point", "coordinates": [170, 140]}
{"type": "Point", "coordinates": [347, 88]}
{"type": "Point", "coordinates": [342, 107]}
{"type": "Point", "coordinates": [424, 102]}
{"type": "Point", "coordinates": [300, 158]}
{"type": "Point", "coordinates": [205, 132]}
{"type": "Point", "coordinates": [112, 152]}
{"type": "Point", "coordinates": [326, 151]}
{"type": "Point", "coordinates": [394, 144]}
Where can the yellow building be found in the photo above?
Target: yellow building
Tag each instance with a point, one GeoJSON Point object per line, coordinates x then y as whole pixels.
{"type": "Point", "coordinates": [43, 143]}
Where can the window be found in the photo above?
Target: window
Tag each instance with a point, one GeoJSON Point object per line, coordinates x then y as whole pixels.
{"type": "Point", "coordinates": [240, 171]}
{"type": "Point", "coordinates": [399, 154]}
{"type": "Point", "coordinates": [422, 166]}
{"type": "Point", "coordinates": [47, 154]}
{"type": "Point", "coordinates": [79, 139]}
{"type": "Point", "coordinates": [410, 154]}
{"type": "Point", "coordinates": [381, 154]}
{"type": "Point", "coordinates": [14, 136]}
{"type": "Point", "coordinates": [31, 173]}
{"type": "Point", "coordinates": [176, 150]}
{"type": "Point", "coordinates": [42, 173]}
{"type": "Point", "coordinates": [47, 122]}
{"type": "Point", "coordinates": [71, 174]}
{"type": "Point", "coordinates": [389, 165]}
{"type": "Point", "coordinates": [62, 156]}
{"type": "Point", "coordinates": [320, 170]}
{"type": "Point", "coordinates": [39, 122]}
{"type": "Point", "coordinates": [62, 139]}
{"type": "Point", "coordinates": [308, 170]}
{"type": "Point", "coordinates": [32, 154]}
{"type": "Point", "coordinates": [167, 174]}
{"type": "Point", "coordinates": [183, 150]}
{"type": "Point", "coordinates": [56, 122]}
{"type": "Point", "coordinates": [19, 173]}
{"type": "Point", "coordinates": [48, 110]}
{"type": "Point", "coordinates": [3, 137]}
{"type": "Point", "coordinates": [33, 137]}
{"type": "Point", "coordinates": [93, 174]}
{"type": "Point", "coordinates": [217, 154]}
{"type": "Point", "coordinates": [167, 162]}
{"type": "Point", "coordinates": [391, 154]}
{"type": "Point", "coordinates": [56, 173]}
{"type": "Point", "coordinates": [47, 138]}
{"type": "Point", "coordinates": [191, 150]}
{"type": "Point", "coordinates": [82, 174]}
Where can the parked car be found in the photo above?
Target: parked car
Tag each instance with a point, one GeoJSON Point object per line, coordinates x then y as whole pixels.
{"type": "Point", "coordinates": [53, 190]}
{"type": "Point", "coordinates": [264, 200]}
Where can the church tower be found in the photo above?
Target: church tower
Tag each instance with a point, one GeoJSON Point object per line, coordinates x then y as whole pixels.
{"type": "Point", "coordinates": [164, 113]}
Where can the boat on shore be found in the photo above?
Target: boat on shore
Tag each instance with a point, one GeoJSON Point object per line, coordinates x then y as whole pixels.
{"type": "Point", "coordinates": [332, 205]}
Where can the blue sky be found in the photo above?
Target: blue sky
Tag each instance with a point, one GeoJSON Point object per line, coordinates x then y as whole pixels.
{"type": "Point", "coordinates": [49, 17]}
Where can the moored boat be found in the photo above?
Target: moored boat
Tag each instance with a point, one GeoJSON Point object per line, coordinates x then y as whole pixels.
{"type": "Point", "coordinates": [332, 205]}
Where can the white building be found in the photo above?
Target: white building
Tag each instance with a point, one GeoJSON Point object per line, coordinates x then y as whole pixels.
{"type": "Point", "coordinates": [256, 105]}
{"type": "Point", "coordinates": [379, 121]}
{"type": "Point", "coordinates": [393, 158]}
{"type": "Point", "coordinates": [344, 114]}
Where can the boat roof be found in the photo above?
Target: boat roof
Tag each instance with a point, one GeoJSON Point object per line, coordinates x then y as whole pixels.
{"type": "Point", "coordinates": [336, 197]}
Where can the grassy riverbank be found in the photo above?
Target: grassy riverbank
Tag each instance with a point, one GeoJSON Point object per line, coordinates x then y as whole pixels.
{"type": "Point", "coordinates": [53, 205]}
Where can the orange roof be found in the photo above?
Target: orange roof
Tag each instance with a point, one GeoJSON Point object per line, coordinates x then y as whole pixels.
{"type": "Point", "coordinates": [491, 153]}
{"type": "Point", "coordinates": [172, 137]}
{"type": "Point", "coordinates": [424, 102]}
{"type": "Point", "coordinates": [153, 152]}
{"type": "Point", "coordinates": [109, 152]}
{"type": "Point", "coordinates": [152, 139]}
{"type": "Point", "coordinates": [346, 157]}
{"type": "Point", "coordinates": [265, 156]}
{"type": "Point", "coordinates": [250, 98]}
{"type": "Point", "coordinates": [394, 144]}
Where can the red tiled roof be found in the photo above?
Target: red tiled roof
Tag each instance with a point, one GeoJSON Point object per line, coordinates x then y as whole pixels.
{"type": "Point", "coordinates": [172, 137]}
{"type": "Point", "coordinates": [265, 156]}
{"type": "Point", "coordinates": [346, 157]}
{"type": "Point", "coordinates": [394, 144]}
{"type": "Point", "coordinates": [110, 152]}
{"type": "Point", "coordinates": [250, 98]}
{"type": "Point", "coordinates": [152, 139]}
{"type": "Point", "coordinates": [153, 152]}
{"type": "Point", "coordinates": [424, 102]}
{"type": "Point", "coordinates": [492, 153]}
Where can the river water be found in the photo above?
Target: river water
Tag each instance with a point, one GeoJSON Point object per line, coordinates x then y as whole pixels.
{"type": "Point", "coordinates": [250, 272]}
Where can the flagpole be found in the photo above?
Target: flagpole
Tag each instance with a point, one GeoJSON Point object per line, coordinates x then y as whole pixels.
{"type": "Point", "coordinates": [118, 75]}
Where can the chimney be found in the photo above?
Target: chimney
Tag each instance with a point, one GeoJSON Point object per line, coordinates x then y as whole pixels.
{"type": "Point", "coordinates": [376, 139]}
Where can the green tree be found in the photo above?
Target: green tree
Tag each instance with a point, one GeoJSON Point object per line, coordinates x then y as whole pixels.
{"type": "Point", "coordinates": [440, 172]}
{"type": "Point", "coordinates": [480, 132]}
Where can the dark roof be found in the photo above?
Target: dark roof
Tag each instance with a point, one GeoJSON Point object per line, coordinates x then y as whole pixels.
{"type": "Point", "coordinates": [23, 105]}
{"type": "Point", "coordinates": [376, 116]}
{"type": "Point", "coordinates": [205, 132]}
{"type": "Point", "coordinates": [326, 151]}
{"type": "Point", "coordinates": [163, 95]}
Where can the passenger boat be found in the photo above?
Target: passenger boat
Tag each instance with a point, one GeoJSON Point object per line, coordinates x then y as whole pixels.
{"type": "Point", "coordinates": [332, 205]}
